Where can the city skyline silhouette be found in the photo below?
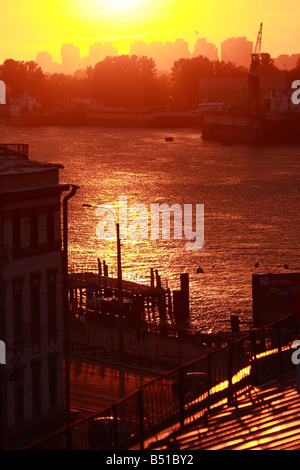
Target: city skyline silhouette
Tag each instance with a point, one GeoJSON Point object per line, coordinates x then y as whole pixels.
{"type": "Point", "coordinates": [237, 50]}
{"type": "Point", "coordinates": [29, 27]}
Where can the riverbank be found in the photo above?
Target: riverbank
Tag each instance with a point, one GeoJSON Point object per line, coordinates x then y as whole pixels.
{"type": "Point", "coordinates": [106, 119]}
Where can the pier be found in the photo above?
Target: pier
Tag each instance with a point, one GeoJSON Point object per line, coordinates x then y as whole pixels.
{"type": "Point", "coordinates": [140, 305]}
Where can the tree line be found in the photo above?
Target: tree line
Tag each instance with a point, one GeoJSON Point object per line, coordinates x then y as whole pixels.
{"type": "Point", "coordinates": [125, 81]}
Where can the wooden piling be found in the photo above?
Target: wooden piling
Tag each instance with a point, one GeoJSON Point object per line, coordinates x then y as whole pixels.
{"type": "Point", "coordinates": [184, 287]}
{"type": "Point", "coordinates": [158, 280]}
{"type": "Point", "coordinates": [152, 278]}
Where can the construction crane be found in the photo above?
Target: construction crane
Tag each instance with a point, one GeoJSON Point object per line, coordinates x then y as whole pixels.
{"type": "Point", "coordinates": [254, 82]}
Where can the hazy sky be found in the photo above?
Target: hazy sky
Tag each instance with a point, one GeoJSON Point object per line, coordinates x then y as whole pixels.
{"type": "Point", "coordinates": [30, 26]}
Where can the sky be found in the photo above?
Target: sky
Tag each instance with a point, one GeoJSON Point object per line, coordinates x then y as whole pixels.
{"type": "Point", "coordinates": [30, 26]}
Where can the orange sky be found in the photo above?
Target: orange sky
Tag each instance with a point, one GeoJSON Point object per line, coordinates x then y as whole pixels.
{"type": "Point", "coordinates": [30, 26]}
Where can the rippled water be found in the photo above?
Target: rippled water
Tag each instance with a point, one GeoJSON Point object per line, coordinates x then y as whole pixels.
{"type": "Point", "coordinates": [250, 196]}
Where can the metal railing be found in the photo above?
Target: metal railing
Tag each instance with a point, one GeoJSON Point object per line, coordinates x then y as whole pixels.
{"type": "Point", "coordinates": [16, 150]}
{"type": "Point", "coordinates": [194, 389]}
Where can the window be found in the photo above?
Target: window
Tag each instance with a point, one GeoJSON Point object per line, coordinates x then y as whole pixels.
{"type": "Point", "coordinates": [17, 285]}
{"type": "Point", "coordinates": [34, 231]}
{"type": "Point", "coordinates": [19, 402]}
{"type": "Point", "coordinates": [36, 381]}
{"type": "Point", "coordinates": [51, 304]}
{"type": "Point", "coordinates": [50, 227]}
{"type": "Point", "coordinates": [52, 377]}
{"type": "Point", "coordinates": [16, 233]}
{"type": "Point", "coordinates": [3, 314]}
{"type": "Point", "coordinates": [35, 309]}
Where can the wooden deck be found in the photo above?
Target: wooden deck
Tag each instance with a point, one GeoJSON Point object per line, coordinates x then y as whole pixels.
{"type": "Point", "coordinates": [267, 418]}
{"type": "Point", "coordinates": [82, 280]}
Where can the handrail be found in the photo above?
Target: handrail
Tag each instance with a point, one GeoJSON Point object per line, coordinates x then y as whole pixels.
{"type": "Point", "coordinates": [179, 394]}
{"type": "Point", "coordinates": [17, 150]}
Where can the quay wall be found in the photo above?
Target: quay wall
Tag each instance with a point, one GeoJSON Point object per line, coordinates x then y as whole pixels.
{"type": "Point", "coordinates": [230, 129]}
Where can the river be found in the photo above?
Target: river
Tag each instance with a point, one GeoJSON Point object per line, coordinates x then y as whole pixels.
{"type": "Point", "coordinates": [250, 196]}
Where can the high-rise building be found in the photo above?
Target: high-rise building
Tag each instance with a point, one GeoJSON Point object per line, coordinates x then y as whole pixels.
{"type": "Point", "coordinates": [70, 56]}
{"type": "Point", "coordinates": [98, 51]}
{"type": "Point", "coordinates": [164, 54]}
{"type": "Point", "coordinates": [237, 50]}
{"type": "Point", "coordinates": [209, 50]}
{"type": "Point", "coordinates": [287, 62]}
{"type": "Point", "coordinates": [44, 60]}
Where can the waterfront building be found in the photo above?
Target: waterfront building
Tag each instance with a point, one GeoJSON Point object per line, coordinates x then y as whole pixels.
{"type": "Point", "coordinates": [31, 298]}
{"type": "Point", "coordinates": [233, 92]}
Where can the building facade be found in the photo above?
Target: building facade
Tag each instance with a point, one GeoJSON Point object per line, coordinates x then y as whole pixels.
{"type": "Point", "coordinates": [233, 92]}
{"type": "Point", "coordinates": [31, 298]}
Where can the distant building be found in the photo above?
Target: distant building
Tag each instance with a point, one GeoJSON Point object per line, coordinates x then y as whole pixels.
{"type": "Point", "coordinates": [98, 51]}
{"type": "Point", "coordinates": [44, 60]}
{"type": "Point", "coordinates": [24, 106]}
{"type": "Point", "coordinates": [31, 293]}
{"type": "Point", "coordinates": [233, 92]}
{"type": "Point", "coordinates": [237, 50]}
{"type": "Point", "coordinates": [164, 54]}
{"type": "Point", "coordinates": [70, 56]}
{"type": "Point", "coordinates": [281, 102]}
{"type": "Point", "coordinates": [287, 62]}
{"type": "Point", "coordinates": [209, 50]}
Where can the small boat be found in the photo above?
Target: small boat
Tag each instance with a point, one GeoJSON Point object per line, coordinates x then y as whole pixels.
{"type": "Point", "coordinates": [169, 139]}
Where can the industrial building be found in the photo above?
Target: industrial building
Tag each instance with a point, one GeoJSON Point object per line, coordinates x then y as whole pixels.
{"type": "Point", "coordinates": [233, 92]}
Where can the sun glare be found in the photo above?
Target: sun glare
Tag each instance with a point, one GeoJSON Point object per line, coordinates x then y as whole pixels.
{"type": "Point", "coordinates": [92, 8]}
{"type": "Point", "coordinates": [119, 4]}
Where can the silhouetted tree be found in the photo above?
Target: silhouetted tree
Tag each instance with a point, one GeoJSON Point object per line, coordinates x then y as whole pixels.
{"type": "Point", "coordinates": [267, 66]}
{"type": "Point", "coordinates": [293, 74]}
{"type": "Point", "coordinates": [185, 78]}
{"type": "Point", "coordinates": [22, 78]}
{"type": "Point", "coordinates": [123, 80]}
{"type": "Point", "coordinates": [58, 90]}
{"type": "Point", "coordinates": [228, 69]}
{"type": "Point", "coordinates": [187, 72]}
{"type": "Point", "coordinates": [35, 78]}
{"type": "Point", "coordinates": [13, 73]}
{"type": "Point", "coordinates": [164, 89]}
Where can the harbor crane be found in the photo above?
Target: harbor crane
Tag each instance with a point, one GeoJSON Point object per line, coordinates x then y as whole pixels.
{"type": "Point", "coordinates": [254, 81]}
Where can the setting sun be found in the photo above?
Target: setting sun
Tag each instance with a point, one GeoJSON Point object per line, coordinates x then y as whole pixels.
{"type": "Point", "coordinates": [109, 7]}
{"type": "Point", "coordinates": [149, 227]}
{"type": "Point", "coordinates": [120, 4]}
{"type": "Point", "coordinates": [30, 27]}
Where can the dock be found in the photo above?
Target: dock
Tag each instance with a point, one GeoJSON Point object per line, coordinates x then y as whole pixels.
{"type": "Point", "coordinates": [247, 129]}
{"type": "Point", "coordinates": [153, 305]}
